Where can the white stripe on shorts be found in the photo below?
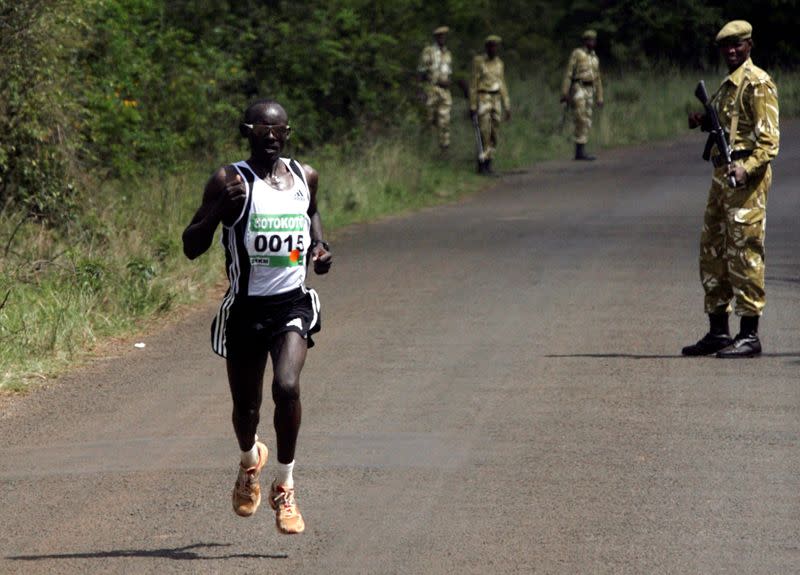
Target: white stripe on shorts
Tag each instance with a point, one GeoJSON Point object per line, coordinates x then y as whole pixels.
{"type": "Point", "coordinates": [314, 306]}
{"type": "Point", "coordinates": [218, 343]}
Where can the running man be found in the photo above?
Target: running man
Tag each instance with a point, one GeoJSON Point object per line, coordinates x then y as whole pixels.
{"type": "Point", "coordinates": [270, 225]}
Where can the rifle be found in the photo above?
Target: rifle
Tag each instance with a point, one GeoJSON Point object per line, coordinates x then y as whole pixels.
{"type": "Point", "coordinates": [474, 117]}
{"type": "Point", "coordinates": [567, 105]}
{"type": "Point", "coordinates": [716, 135]}
{"type": "Point", "coordinates": [478, 139]}
{"type": "Point", "coordinates": [564, 112]}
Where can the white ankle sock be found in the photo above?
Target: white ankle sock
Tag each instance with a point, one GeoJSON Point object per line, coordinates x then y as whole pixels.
{"type": "Point", "coordinates": [250, 458]}
{"type": "Point", "coordinates": [284, 474]}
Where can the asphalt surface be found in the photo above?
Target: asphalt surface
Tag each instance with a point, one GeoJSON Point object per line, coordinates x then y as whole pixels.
{"type": "Point", "coordinates": [497, 389]}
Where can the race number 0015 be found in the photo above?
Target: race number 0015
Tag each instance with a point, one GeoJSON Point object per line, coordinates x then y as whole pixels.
{"type": "Point", "coordinates": [275, 243]}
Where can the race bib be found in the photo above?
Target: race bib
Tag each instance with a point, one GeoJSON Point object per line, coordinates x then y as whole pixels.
{"type": "Point", "coordinates": [277, 240]}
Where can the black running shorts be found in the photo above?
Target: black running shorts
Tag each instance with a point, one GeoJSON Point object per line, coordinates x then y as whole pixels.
{"type": "Point", "coordinates": [250, 324]}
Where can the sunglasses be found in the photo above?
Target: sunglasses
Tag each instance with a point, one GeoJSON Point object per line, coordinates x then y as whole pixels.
{"type": "Point", "coordinates": [278, 131]}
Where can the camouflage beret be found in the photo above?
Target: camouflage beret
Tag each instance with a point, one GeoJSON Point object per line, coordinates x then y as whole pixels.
{"type": "Point", "coordinates": [589, 34]}
{"type": "Point", "coordinates": [441, 30]}
{"type": "Point", "coordinates": [735, 30]}
{"type": "Point", "coordinates": [493, 39]}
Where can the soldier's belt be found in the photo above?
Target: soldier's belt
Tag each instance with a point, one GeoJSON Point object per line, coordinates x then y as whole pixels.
{"type": "Point", "coordinates": [488, 91]}
{"type": "Point", "coordinates": [719, 159]}
{"type": "Point", "coordinates": [586, 82]}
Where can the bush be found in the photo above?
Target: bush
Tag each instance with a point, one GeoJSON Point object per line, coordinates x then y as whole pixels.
{"type": "Point", "coordinates": [38, 116]}
{"type": "Point", "coordinates": [155, 94]}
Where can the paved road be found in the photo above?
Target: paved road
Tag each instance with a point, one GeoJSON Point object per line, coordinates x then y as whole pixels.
{"type": "Point", "coordinates": [497, 389]}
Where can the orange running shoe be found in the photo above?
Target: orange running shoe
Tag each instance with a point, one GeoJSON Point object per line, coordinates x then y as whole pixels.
{"type": "Point", "coordinates": [247, 491]}
{"type": "Point", "coordinates": [287, 515]}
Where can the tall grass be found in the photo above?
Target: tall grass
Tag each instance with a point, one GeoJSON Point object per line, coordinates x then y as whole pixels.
{"type": "Point", "coordinates": [119, 264]}
{"type": "Point", "coordinates": [638, 108]}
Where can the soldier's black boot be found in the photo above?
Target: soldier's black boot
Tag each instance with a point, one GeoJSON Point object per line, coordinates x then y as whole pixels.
{"type": "Point", "coordinates": [580, 153]}
{"type": "Point", "coordinates": [717, 338]}
{"type": "Point", "coordinates": [487, 167]}
{"type": "Point", "coordinates": [746, 342]}
{"type": "Point", "coordinates": [481, 168]}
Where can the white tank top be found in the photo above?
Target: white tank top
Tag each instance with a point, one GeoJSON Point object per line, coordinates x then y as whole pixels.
{"type": "Point", "coordinates": [265, 248]}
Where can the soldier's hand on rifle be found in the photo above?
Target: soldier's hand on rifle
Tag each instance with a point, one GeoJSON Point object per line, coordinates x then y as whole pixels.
{"type": "Point", "coordinates": [600, 103]}
{"type": "Point", "coordinates": [695, 119]}
{"type": "Point", "coordinates": [563, 99]}
{"type": "Point", "coordinates": [507, 114]}
{"type": "Point", "coordinates": [739, 174]}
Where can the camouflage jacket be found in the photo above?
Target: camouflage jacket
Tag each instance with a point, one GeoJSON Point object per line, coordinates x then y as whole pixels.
{"type": "Point", "coordinates": [758, 128]}
{"type": "Point", "coordinates": [488, 76]}
{"type": "Point", "coordinates": [435, 64]}
{"type": "Point", "coordinates": [583, 66]}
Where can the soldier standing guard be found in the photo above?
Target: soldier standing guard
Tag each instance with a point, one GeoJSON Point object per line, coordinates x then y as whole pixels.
{"type": "Point", "coordinates": [581, 88]}
{"type": "Point", "coordinates": [732, 242]}
{"type": "Point", "coordinates": [435, 68]}
{"type": "Point", "coordinates": [488, 98]}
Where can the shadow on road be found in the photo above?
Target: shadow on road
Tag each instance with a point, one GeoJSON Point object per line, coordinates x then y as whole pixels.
{"type": "Point", "coordinates": [615, 355]}
{"type": "Point", "coordinates": [180, 554]}
{"type": "Point", "coordinates": [788, 280]}
{"type": "Point", "coordinates": [654, 356]}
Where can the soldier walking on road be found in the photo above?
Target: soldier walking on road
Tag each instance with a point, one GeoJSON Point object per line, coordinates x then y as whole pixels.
{"type": "Point", "coordinates": [488, 98]}
{"type": "Point", "coordinates": [732, 242]}
{"type": "Point", "coordinates": [435, 68]}
{"type": "Point", "coordinates": [581, 88]}
{"type": "Point", "coordinates": [270, 226]}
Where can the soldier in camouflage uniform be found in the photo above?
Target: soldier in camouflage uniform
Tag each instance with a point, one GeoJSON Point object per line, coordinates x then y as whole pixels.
{"type": "Point", "coordinates": [732, 242]}
{"type": "Point", "coordinates": [435, 67]}
{"type": "Point", "coordinates": [488, 98]}
{"type": "Point", "coordinates": [581, 88]}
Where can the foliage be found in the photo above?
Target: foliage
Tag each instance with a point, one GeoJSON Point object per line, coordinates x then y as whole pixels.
{"type": "Point", "coordinates": [350, 79]}
{"type": "Point", "coordinates": [119, 88]}
{"type": "Point", "coordinates": [37, 114]}
{"type": "Point", "coordinates": [155, 95]}
{"type": "Point", "coordinates": [680, 35]}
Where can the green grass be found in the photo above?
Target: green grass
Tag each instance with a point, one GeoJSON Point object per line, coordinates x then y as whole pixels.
{"type": "Point", "coordinates": [119, 268]}
{"type": "Point", "coordinates": [637, 109]}
{"type": "Point", "coordinates": [118, 263]}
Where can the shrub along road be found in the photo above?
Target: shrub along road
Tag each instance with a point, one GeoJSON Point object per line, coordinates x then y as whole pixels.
{"type": "Point", "coordinates": [497, 388]}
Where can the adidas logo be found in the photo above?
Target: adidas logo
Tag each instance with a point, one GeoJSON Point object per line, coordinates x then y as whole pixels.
{"type": "Point", "coordinates": [296, 322]}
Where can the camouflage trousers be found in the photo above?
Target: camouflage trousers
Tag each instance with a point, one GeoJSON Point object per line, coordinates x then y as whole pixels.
{"type": "Point", "coordinates": [582, 106]}
{"type": "Point", "coordinates": [439, 102]}
{"type": "Point", "coordinates": [732, 244]}
{"type": "Point", "coordinates": [490, 114]}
